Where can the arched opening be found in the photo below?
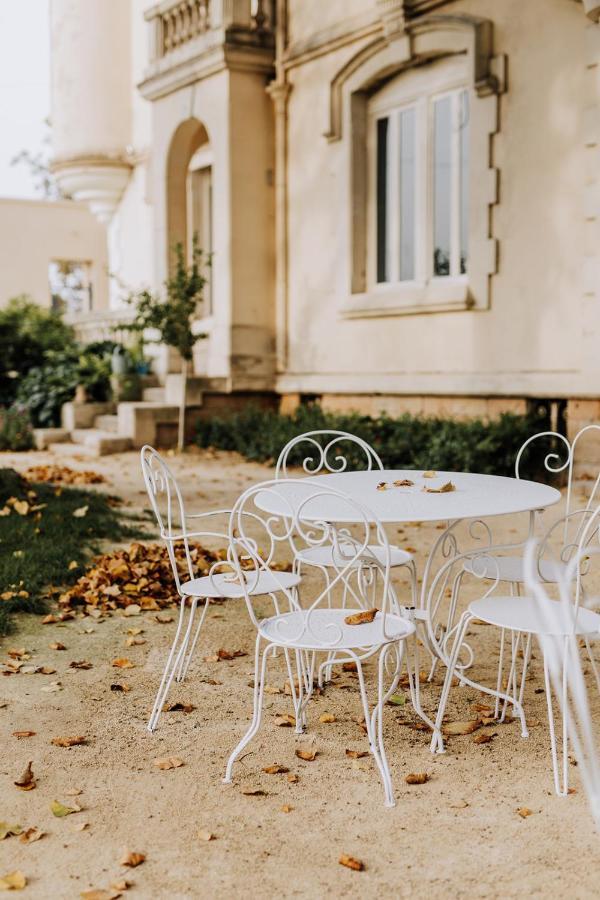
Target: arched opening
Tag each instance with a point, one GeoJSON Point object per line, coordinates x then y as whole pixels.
{"type": "Point", "coordinates": [189, 192]}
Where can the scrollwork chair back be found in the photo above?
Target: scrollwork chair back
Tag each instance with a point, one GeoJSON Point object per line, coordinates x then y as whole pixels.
{"type": "Point", "coordinates": [325, 453]}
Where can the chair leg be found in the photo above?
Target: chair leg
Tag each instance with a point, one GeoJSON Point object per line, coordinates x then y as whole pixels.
{"type": "Point", "coordinates": [414, 684]}
{"type": "Point", "coordinates": [562, 789]}
{"type": "Point", "coordinates": [173, 663]}
{"type": "Point", "coordinates": [437, 742]}
{"type": "Point", "coordinates": [260, 665]}
{"type": "Point", "coordinates": [185, 663]}
{"type": "Point", "coordinates": [499, 675]}
{"type": "Point", "coordinates": [378, 747]}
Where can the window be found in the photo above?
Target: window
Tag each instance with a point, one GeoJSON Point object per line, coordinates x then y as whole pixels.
{"type": "Point", "coordinates": [70, 286]}
{"type": "Point", "coordinates": [418, 201]}
{"type": "Point", "coordinates": [199, 209]}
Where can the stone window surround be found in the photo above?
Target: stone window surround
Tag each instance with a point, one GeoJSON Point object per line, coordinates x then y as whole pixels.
{"type": "Point", "coordinates": [427, 39]}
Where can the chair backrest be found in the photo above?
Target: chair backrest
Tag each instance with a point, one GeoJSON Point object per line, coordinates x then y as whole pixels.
{"type": "Point", "coordinates": [168, 506]}
{"type": "Point", "coordinates": [298, 514]}
{"type": "Point", "coordinates": [326, 451]}
{"type": "Point", "coordinates": [562, 458]}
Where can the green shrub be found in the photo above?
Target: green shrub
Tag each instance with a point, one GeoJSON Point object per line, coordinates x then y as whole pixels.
{"type": "Point", "coordinates": [45, 388]}
{"type": "Point", "coordinates": [15, 429]}
{"type": "Point", "coordinates": [408, 442]}
{"type": "Point", "coordinates": [27, 333]}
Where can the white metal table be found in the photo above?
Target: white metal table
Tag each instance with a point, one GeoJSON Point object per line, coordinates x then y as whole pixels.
{"type": "Point", "coordinates": [475, 498]}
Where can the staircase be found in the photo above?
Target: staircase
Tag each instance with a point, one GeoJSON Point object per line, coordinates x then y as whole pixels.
{"type": "Point", "coordinates": [97, 429]}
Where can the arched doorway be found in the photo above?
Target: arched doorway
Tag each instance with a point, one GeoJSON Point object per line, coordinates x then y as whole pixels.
{"type": "Point", "coordinates": [189, 192]}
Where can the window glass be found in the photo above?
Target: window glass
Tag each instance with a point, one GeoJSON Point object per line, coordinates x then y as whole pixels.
{"type": "Point", "coordinates": [382, 182]}
{"type": "Point", "coordinates": [70, 286]}
{"type": "Point", "coordinates": [407, 193]}
{"type": "Point", "coordinates": [442, 184]}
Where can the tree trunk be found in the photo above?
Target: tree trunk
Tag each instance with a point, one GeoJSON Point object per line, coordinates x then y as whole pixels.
{"type": "Point", "coordinates": [181, 428]}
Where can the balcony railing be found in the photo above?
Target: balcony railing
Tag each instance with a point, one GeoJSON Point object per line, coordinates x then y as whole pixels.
{"type": "Point", "coordinates": [176, 23]}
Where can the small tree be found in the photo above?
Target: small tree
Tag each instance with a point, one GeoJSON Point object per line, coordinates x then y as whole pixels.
{"type": "Point", "coordinates": [173, 316]}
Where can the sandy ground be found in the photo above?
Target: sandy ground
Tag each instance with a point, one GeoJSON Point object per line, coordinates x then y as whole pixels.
{"type": "Point", "coordinates": [459, 835]}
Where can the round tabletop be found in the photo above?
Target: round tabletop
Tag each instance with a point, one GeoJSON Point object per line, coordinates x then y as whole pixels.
{"type": "Point", "coordinates": [474, 496]}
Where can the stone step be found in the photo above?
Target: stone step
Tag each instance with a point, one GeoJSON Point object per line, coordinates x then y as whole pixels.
{"type": "Point", "coordinates": [100, 443]}
{"type": "Point", "coordinates": [154, 395]}
{"type": "Point", "coordinates": [107, 423]}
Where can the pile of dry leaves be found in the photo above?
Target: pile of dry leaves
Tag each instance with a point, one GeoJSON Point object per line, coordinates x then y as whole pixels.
{"type": "Point", "coordinates": [141, 575]}
{"type": "Point", "coordinates": [61, 475]}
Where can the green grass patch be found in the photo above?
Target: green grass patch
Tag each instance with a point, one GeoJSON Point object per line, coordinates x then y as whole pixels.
{"type": "Point", "coordinates": [37, 548]}
{"type": "Point", "coordinates": [407, 442]}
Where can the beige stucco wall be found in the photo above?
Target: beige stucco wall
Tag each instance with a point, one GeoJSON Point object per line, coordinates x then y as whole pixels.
{"type": "Point", "coordinates": [34, 232]}
{"type": "Point", "coordinates": [531, 339]}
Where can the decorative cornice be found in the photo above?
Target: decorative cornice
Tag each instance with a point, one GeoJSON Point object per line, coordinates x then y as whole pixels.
{"type": "Point", "coordinates": [97, 181]}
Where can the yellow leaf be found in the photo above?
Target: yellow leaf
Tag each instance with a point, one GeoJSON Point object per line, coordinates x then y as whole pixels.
{"type": "Point", "coordinates": [286, 808]}
{"type": "Point", "coordinates": [361, 618]}
{"type": "Point", "coordinates": [276, 770]}
{"type": "Point", "coordinates": [123, 663]}
{"type": "Point", "coordinates": [524, 812]}
{"type": "Point", "coordinates": [21, 507]}
{"type": "Point", "coordinates": [13, 881]}
{"type": "Point", "coordinates": [327, 718]}
{"type": "Point", "coordinates": [444, 489]}
{"type": "Point", "coordinates": [81, 512]}
{"type": "Point", "coordinates": [7, 830]}
{"type": "Point", "coordinates": [356, 754]}
{"type": "Point", "coordinates": [429, 474]}
{"type": "Point", "coordinates": [308, 754]}
{"type": "Point", "coordinates": [351, 862]}
{"type": "Point", "coordinates": [132, 859]}
{"type": "Point", "coordinates": [73, 565]}
{"type": "Point", "coordinates": [168, 762]}
{"type": "Point", "coordinates": [60, 810]}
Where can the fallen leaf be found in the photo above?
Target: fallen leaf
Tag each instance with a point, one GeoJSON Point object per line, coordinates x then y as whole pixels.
{"type": "Point", "coordinates": [46, 670]}
{"type": "Point", "coordinates": [163, 620]}
{"type": "Point", "coordinates": [293, 778]}
{"type": "Point", "coordinates": [27, 780]}
{"type": "Point", "coordinates": [73, 565]}
{"type": "Point", "coordinates": [7, 830]}
{"type": "Point", "coordinates": [49, 619]}
{"type": "Point", "coordinates": [403, 482]}
{"type": "Point", "coordinates": [52, 688]}
{"type": "Point", "coordinates": [31, 835]}
{"type": "Point", "coordinates": [286, 808]}
{"type": "Point", "coordinates": [134, 609]}
{"type": "Point", "coordinates": [168, 762]}
{"type": "Point", "coordinates": [356, 754]}
{"type": "Point", "coordinates": [80, 826]}
{"type": "Point", "coordinates": [73, 741]}
{"type": "Point", "coordinates": [80, 664]}
{"type": "Point", "coordinates": [80, 512]}
{"type": "Point", "coordinates": [430, 474]}
{"type": "Point", "coordinates": [467, 727]}
{"type": "Point", "coordinates": [483, 738]}
{"type": "Point", "coordinates": [524, 812]}
{"type": "Point", "coordinates": [254, 792]}
{"type": "Point", "coordinates": [135, 641]}
{"type": "Point", "coordinates": [327, 718]}
{"type": "Point", "coordinates": [120, 687]}
{"type": "Point", "coordinates": [285, 721]}
{"type": "Point", "coordinates": [417, 778]}
{"type": "Point", "coordinates": [397, 700]}
{"type": "Point", "coordinates": [204, 835]}
{"type": "Point", "coordinates": [276, 769]}
{"type": "Point", "coordinates": [351, 862]}
{"type": "Point", "coordinates": [132, 859]}
{"type": "Point", "coordinates": [308, 754]}
{"type": "Point", "coordinates": [382, 486]}
{"type": "Point", "coordinates": [462, 804]}
{"type": "Point", "coordinates": [60, 810]}
{"type": "Point", "coordinates": [180, 707]}
{"type": "Point", "coordinates": [99, 894]}
{"type": "Point", "coordinates": [57, 646]}
{"type": "Point", "coordinates": [122, 885]}
{"type": "Point", "coordinates": [74, 792]}
{"type": "Point", "coordinates": [349, 667]}
{"type": "Point", "coordinates": [21, 507]}
{"type": "Point", "coordinates": [123, 663]}
{"type": "Point", "coordinates": [444, 489]}
{"type": "Point", "coordinates": [361, 618]}
{"type": "Point", "coordinates": [135, 631]}
{"type": "Point", "coordinates": [272, 689]}
{"type": "Point", "coordinates": [23, 734]}
{"type": "Point", "coordinates": [13, 881]}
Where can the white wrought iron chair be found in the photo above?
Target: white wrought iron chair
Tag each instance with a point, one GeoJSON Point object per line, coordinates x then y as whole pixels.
{"type": "Point", "coordinates": [179, 536]}
{"type": "Point", "coordinates": [325, 455]}
{"type": "Point", "coordinates": [360, 569]}
{"type": "Point", "coordinates": [553, 622]}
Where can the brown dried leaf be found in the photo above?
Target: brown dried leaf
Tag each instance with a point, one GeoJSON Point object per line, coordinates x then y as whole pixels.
{"type": "Point", "coordinates": [524, 812]}
{"type": "Point", "coordinates": [467, 727]}
{"type": "Point", "coordinates": [23, 734]}
{"type": "Point", "coordinates": [327, 718]}
{"type": "Point", "coordinates": [123, 663]}
{"type": "Point", "coordinates": [308, 754]}
{"type": "Point", "coordinates": [286, 808]}
{"type": "Point", "coordinates": [403, 482]}
{"type": "Point", "coordinates": [31, 835]}
{"type": "Point", "coordinates": [356, 754]}
{"type": "Point", "coordinates": [100, 894]}
{"type": "Point", "coordinates": [483, 738]}
{"type": "Point", "coordinates": [72, 741]}
{"type": "Point", "coordinates": [351, 862]}
{"type": "Point", "coordinates": [254, 792]}
{"type": "Point", "coordinates": [180, 707]}
{"type": "Point", "coordinates": [132, 859]}
{"type": "Point", "coordinates": [168, 762]}
{"type": "Point", "coordinates": [27, 780]}
{"type": "Point", "coordinates": [349, 667]}
{"type": "Point", "coordinates": [7, 830]}
{"type": "Point", "coordinates": [276, 769]}
{"type": "Point", "coordinates": [417, 778]}
{"type": "Point", "coordinates": [444, 489]}
{"type": "Point", "coordinates": [361, 618]}
{"type": "Point", "coordinates": [293, 778]}
{"type": "Point", "coordinates": [57, 646]}
{"type": "Point", "coordinates": [80, 664]}
{"type": "Point", "coordinates": [285, 721]}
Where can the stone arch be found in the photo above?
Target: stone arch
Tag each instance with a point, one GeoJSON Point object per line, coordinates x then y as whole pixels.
{"type": "Point", "coordinates": [189, 136]}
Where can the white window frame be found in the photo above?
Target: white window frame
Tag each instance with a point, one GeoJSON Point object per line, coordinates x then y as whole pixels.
{"type": "Point", "coordinates": [418, 89]}
{"type": "Point", "coordinates": [202, 163]}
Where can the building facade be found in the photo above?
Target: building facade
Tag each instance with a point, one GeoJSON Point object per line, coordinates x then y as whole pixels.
{"type": "Point", "coordinates": [401, 197]}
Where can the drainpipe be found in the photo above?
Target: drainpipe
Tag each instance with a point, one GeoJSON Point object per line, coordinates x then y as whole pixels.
{"type": "Point", "coordinates": [279, 90]}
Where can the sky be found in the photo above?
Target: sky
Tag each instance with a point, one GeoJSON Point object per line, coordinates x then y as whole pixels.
{"type": "Point", "coordinates": [24, 89]}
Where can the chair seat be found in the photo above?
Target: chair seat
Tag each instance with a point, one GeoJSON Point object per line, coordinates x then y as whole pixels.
{"type": "Point", "coordinates": [529, 615]}
{"type": "Point", "coordinates": [324, 556]}
{"type": "Point", "coordinates": [509, 568]}
{"type": "Point", "coordinates": [325, 629]}
{"type": "Point", "coordinates": [219, 586]}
